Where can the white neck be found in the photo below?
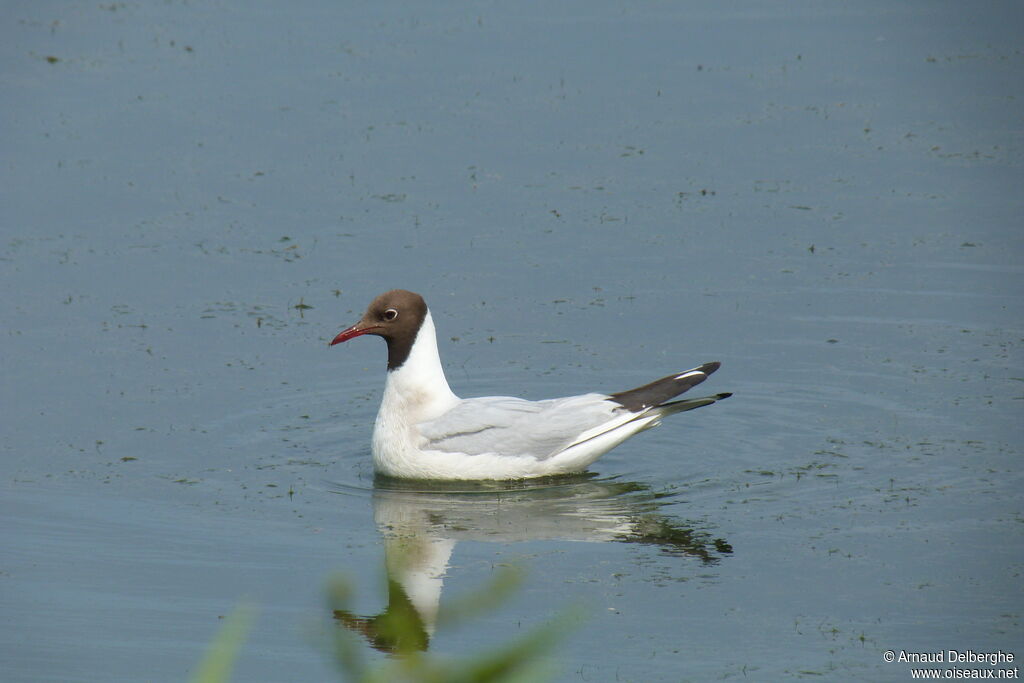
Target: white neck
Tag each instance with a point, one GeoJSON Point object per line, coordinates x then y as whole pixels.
{"type": "Point", "coordinates": [419, 384]}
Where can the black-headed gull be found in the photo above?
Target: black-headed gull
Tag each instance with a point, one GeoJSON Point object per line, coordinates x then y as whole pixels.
{"type": "Point", "coordinates": [424, 431]}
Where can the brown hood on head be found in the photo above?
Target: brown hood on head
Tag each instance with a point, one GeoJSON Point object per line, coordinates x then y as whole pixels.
{"type": "Point", "coordinates": [397, 316]}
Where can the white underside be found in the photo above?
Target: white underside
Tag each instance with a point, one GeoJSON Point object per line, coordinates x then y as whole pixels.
{"type": "Point", "coordinates": [408, 461]}
{"type": "Point", "coordinates": [424, 464]}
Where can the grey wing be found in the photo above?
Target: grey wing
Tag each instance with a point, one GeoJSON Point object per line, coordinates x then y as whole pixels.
{"type": "Point", "coordinates": [515, 427]}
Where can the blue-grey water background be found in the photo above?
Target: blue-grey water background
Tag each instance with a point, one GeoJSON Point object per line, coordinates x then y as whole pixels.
{"type": "Point", "coordinates": [826, 197]}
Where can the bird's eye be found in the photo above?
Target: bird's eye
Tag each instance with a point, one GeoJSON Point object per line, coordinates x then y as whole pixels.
{"type": "Point", "coordinates": [390, 314]}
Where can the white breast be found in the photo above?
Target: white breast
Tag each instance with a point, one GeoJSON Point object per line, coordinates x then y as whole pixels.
{"type": "Point", "coordinates": [415, 392]}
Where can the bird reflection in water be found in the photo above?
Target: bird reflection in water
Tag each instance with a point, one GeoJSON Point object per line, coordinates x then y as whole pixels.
{"type": "Point", "coordinates": [422, 521]}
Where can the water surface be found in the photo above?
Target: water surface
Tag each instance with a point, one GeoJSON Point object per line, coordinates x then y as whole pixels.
{"type": "Point", "coordinates": [197, 197]}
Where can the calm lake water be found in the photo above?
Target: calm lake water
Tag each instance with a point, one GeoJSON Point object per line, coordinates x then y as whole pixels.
{"type": "Point", "coordinates": [197, 196]}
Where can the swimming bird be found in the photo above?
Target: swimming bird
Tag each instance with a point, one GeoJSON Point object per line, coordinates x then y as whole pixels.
{"type": "Point", "coordinates": [424, 431]}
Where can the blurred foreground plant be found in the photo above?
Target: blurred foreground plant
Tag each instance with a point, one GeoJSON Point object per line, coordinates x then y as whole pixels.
{"type": "Point", "coordinates": [220, 658]}
{"type": "Point", "coordinates": [400, 632]}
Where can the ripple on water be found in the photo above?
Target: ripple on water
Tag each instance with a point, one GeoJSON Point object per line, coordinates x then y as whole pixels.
{"type": "Point", "coordinates": [581, 507]}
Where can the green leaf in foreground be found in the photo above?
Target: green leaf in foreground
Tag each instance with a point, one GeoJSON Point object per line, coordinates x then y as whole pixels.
{"type": "Point", "coordinates": [399, 632]}
{"type": "Point", "coordinates": [220, 658]}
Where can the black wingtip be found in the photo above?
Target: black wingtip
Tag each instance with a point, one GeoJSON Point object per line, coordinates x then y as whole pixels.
{"type": "Point", "coordinates": [708, 368]}
{"type": "Point", "coordinates": [659, 391]}
{"type": "Point", "coordinates": [719, 397]}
